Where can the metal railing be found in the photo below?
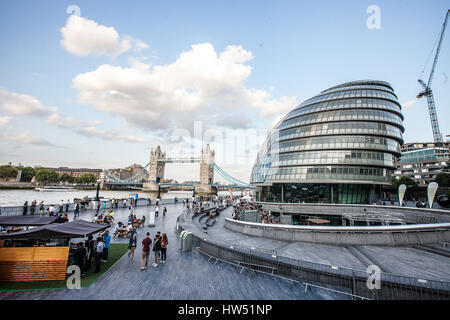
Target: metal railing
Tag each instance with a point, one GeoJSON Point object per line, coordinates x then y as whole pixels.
{"type": "Point", "coordinates": [339, 279]}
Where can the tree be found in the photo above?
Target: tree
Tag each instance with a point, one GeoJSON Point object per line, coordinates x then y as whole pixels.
{"type": "Point", "coordinates": [443, 179]}
{"type": "Point", "coordinates": [46, 175]}
{"type": "Point", "coordinates": [409, 182]}
{"type": "Point", "coordinates": [27, 174]}
{"type": "Point", "coordinates": [66, 178]}
{"type": "Point", "coordinates": [8, 172]}
{"type": "Point", "coordinates": [87, 178]}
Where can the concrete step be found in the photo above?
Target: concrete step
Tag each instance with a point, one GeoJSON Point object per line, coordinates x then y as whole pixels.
{"type": "Point", "coordinates": [432, 249]}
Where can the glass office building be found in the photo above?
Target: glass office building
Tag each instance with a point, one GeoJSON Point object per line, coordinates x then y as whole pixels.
{"type": "Point", "coordinates": [337, 147]}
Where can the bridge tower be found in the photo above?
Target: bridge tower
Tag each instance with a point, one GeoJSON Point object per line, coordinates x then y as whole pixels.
{"type": "Point", "coordinates": [205, 188]}
{"type": "Point", "coordinates": [156, 170]}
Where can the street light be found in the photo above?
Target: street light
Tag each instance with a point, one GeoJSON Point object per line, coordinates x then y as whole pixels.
{"type": "Point", "coordinates": [98, 189]}
{"type": "Point", "coordinates": [159, 191]}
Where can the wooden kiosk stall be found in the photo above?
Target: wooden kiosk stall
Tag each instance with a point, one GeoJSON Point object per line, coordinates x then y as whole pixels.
{"type": "Point", "coordinates": [40, 262]}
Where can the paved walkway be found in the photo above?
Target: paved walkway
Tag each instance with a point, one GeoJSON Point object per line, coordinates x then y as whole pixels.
{"type": "Point", "coordinates": [406, 261]}
{"type": "Point", "coordinates": [184, 276]}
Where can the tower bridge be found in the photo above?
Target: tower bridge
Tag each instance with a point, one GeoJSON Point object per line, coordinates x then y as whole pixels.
{"type": "Point", "coordinates": [151, 180]}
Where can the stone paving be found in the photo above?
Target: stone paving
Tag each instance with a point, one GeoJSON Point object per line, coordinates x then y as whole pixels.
{"type": "Point", "coordinates": [184, 276]}
{"type": "Point", "coordinates": [405, 261]}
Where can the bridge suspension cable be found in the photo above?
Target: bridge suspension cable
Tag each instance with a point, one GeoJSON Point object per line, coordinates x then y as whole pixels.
{"type": "Point", "coordinates": [135, 178]}
{"type": "Point", "coordinates": [228, 177]}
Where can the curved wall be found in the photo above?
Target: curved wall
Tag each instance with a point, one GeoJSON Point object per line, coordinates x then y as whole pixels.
{"type": "Point", "coordinates": [380, 235]}
{"type": "Point", "coordinates": [337, 147]}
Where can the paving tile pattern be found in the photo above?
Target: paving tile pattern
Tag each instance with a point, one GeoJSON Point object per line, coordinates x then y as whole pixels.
{"type": "Point", "coordinates": [185, 275]}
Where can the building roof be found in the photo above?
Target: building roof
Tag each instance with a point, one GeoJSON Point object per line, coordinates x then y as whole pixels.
{"type": "Point", "coordinates": [74, 229]}
{"type": "Point", "coordinates": [28, 220]}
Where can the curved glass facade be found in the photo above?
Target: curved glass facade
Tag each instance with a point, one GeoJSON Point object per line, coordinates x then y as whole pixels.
{"type": "Point", "coordinates": [337, 147]}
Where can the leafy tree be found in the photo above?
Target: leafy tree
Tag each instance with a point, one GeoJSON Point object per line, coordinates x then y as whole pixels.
{"type": "Point", "coordinates": [87, 178]}
{"type": "Point", "coordinates": [46, 175]}
{"type": "Point", "coordinates": [394, 182]}
{"type": "Point", "coordinates": [66, 178]}
{"type": "Point", "coordinates": [27, 173]}
{"type": "Point", "coordinates": [443, 179]}
{"type": "Point", "coordinates": [8, 172]}
{"type": "Point", "coordinates": [407, 181]}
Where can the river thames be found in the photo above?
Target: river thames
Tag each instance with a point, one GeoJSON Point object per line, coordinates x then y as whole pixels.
{"type": "Point", "coordinates": [9, 198]}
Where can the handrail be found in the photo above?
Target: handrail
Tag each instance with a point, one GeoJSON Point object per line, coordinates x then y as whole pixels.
{"type": "Point", "coordinates": [396, 228]}
{"type": "Point", "coordinates": [352, 205]}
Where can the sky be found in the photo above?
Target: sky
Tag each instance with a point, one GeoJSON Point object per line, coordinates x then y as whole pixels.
{"type": "Point", "coordinates": [99, 84]}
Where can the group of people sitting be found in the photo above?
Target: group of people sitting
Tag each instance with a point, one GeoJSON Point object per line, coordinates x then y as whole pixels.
{"type": "Point", "coordinates": [122, 230]}
{"type": "Point", "coordinates": [240, 205]}
{"type": "Point", "coordinates": [267, 217]}
{"type": "Point", "coordinates": [104, 218]}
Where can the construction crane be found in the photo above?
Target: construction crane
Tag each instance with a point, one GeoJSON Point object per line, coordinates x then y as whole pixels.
{"type": "Point", "coordinates": [427, 89]}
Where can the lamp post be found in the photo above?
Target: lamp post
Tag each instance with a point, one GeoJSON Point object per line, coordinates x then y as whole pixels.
{"type": "Point", "coordinates": [97, 200]}
{"type": "Point", "coordinates": [159, 191]}
{"type": "Point", "coordinates": [98, 189]}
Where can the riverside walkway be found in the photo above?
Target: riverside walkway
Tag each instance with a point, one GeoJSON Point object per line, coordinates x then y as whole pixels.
{"type": "Point", "coordinates": [424, 262]}
{"type": "Point", "coordinates": [185, 275]}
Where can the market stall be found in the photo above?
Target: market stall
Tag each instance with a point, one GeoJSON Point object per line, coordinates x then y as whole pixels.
{"type": "Point", "coordinates": [44, 262]}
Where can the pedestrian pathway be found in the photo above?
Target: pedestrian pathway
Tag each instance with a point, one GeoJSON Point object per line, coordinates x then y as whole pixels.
{"type": "Point", "coordinates": [406, 261]}
{"type": "Point", "coordinates": [185, 275]}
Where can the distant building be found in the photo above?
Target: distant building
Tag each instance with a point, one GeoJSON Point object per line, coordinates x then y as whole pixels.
{"type": "Point", "coordinates": [170, 181]}
{"type": "Point", "coordinates": [76, 172]}
{"type": "Point", "coordinates": [127, 172]}
{"type": "Point", "coordinates": [422, 145]}
{"type": "Point", "coordinates": [191, 182]}
{"type": "Point", "coordinates": [422, 161]}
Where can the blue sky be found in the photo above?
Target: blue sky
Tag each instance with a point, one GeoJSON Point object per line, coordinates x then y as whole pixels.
{"type": "Point", "coordinates": [275, 54]}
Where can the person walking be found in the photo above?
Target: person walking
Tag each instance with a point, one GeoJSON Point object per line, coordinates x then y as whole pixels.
{"type": "Point", "coordinates": [61, 206]}
{"type": "Point", "coordinates": [157, 249]}
{"type": "Point", "coordinates": [164, 244]}
{"type": "Point", "coordinates": [67, 205]}
{"type": "Point", "coordinates": [80, 257]}
{"type": "Point", "coordinates": [132, 245]}
{"type": "Point", "coordinates": [156, 211]}
{"type": "Point", "coordinates": [51, 210]}
{"type": "Point", "coordinates": [76, 211]}
{"type": "Point", "coordinates": [145, 251]}
{"type": "Point", "coordinates": [107, 239]}
{"type": "Point", "coordinates": [41, 208]}
{"type": "Point", "coordinates": [33, 207]}
{"type": "Point", "coordinates": [164, 211]}
{"type": "Point", "coordinates": [25, 208]}
{"type": "Point", "coordinates": [99, 254]}
{"type": "Point", "coordinates": [90, 251]}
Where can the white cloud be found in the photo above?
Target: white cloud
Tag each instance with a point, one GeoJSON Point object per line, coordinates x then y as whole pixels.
{"type": "Point", "coordinates": [23, 104]}
{"type": "Point", "coordinates": [91, 131]}
{"type": "Point", "coordinates": [64, 122]}
{"type": "Point", "coordinates": [409, 103]}
{"type": "Point", "coordinates": [26, 105]}
{"type": "Point", "coordinates": [198, 83]}
{"type": "Point", "coordinates": [26, 138]}
{"type": "Point", "coordinates": [82, 37]}
{"type": "Point", "coordinates": [4, 120]}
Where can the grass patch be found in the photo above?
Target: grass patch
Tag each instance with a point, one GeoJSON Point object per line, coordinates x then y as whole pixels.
{"type": "Point", "coordinates": [116, 251]}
